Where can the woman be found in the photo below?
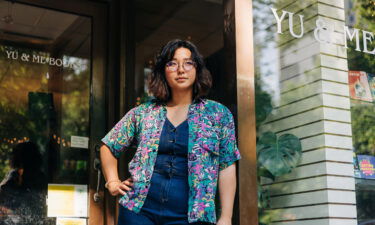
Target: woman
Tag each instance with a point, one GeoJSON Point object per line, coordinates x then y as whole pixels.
{"type": "Point", "coordinates": [186, 147]}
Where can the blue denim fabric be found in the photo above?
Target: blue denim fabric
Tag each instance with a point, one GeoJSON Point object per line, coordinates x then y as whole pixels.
{"type": "Point", "coordinates": [167, 199]}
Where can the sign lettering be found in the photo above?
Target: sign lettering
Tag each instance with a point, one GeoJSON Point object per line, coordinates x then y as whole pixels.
{"type": "Point", "coordinates": [324, 31]}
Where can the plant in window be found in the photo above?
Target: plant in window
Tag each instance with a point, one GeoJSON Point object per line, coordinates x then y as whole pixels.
{"type": "Point", "coordinates": [276, 155]}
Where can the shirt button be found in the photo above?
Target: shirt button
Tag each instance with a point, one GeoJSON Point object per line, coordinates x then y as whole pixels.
{"type": "Point", "coordinates": [172, 141]}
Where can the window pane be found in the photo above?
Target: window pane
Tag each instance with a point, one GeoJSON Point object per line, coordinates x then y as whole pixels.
{"type": "Point", "coordinates": [45, 76]}
{"type": "Point", "coordinates": [309, 119]}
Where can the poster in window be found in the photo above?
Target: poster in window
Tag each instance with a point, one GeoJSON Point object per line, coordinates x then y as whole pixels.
{"type": "Point", "coordinates": [371, 83]}
{"type": "Point", "coordinates": [359, 86]}
{"type": "Point", "coordinates": [367, 166]}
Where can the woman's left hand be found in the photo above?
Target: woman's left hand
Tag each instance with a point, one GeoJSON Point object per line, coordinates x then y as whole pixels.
{"type": "Point", "coordinates": [224, 221]}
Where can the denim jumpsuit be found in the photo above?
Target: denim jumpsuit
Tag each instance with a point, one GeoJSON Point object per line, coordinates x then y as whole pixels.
{"type": "Point", "coordinates": [167, 199]}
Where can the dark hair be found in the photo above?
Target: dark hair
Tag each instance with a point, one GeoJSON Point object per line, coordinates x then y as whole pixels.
{"type": "Point", "coordinates": [157, 83]}
{"type": "Point", "coordinates": [26, 155]}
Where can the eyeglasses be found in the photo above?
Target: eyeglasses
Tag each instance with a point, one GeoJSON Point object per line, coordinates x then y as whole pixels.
{"type": "Point", "coordinates": [187, 65]}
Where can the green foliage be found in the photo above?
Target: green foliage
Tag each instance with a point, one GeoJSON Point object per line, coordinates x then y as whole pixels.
{"type": "Point", "coordinates": [363, 113]}
{"type": "Point", "coordinates": [279, 155]}
{"type": "Point", "coordinates": [276, 155]}
{"type": "Point", "coordinates": [364, 12]}
{"type": "Point", "coordinates": [263, 197]}
{"type": "Point", "coordinates": [363, 125]}
{"type": "Point", "coordinates": [263, 106]}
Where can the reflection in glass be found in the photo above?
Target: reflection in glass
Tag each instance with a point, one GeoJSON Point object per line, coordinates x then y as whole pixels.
{"type": "Point", "coordinates": [360, 14]}
{"type": "Point", "coordinates": [23, 193]}
{"type": "Point", "coordinates": [302, 91]}
{"type": "Point", "coordinates": [44, 101]}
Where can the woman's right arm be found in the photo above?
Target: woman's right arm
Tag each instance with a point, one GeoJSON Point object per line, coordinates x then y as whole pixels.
{"type": "Point", "coordinates": [118, 139]}
{"type": "Point", "coordinates": [109, 167]}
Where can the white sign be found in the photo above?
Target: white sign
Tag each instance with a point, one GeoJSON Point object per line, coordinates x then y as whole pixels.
{"type": "Point", "coordinates": [67, 200]}
{"type": "Point", "coordinates": [79, 142]}
{"type": "Point", "coordinates": [42, 59]}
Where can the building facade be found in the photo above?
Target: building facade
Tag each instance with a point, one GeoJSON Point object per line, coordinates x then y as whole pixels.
{"type": "Point", "coordinates": [297, 75]}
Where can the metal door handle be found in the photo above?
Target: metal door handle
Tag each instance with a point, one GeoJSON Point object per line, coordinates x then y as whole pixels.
{"type": "Point", "coordinates": [97, 167]}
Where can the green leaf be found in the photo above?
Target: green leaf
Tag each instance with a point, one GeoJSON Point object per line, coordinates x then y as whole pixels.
{"type": "Point", "coordinates": [263, 172]}
{"type": "Point", "coordinates": [263, 197]}
{"type": "Point", "coordinates": [279, 155]}
{"type": "Point", "coordinates": [263, 106]}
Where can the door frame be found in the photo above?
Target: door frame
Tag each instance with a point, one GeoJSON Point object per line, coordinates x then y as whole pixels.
{"type": "Point", "coordinates": [98, 13]}
{"type": "Point", "coordinates": [248, 195]}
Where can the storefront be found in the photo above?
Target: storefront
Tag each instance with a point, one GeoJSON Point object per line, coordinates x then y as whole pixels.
{"type": "Point", "coordinates": [296, 75]}
{"type": "Point", "coordinates": [314, 66]}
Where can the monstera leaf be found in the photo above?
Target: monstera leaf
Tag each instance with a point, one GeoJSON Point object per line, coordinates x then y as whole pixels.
{"type": "Point", "coordinates": [263, 106]}
{"type": "Point", "coordinates": [279, 155]}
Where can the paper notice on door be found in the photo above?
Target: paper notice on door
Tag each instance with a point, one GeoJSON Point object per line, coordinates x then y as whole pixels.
{"type": "Point", "coordinates": [79, 142]}
{"type": "Point", "coordinates": [67, 200]}
{"type": "Point", "coordinates": [70, 221]}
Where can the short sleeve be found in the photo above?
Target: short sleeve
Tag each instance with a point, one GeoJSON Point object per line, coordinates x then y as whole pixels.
{"type": "Point", "coordinates": [229, 152]}
{"type": "Point", "coordinates": [122, 134]}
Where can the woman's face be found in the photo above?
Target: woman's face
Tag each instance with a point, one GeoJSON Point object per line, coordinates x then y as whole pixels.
{"type": "Point", "coordinates": [180, 72]}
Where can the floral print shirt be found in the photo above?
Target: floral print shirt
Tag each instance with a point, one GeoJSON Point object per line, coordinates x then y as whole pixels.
{"type": "Point", "coordinates": [212, 147]}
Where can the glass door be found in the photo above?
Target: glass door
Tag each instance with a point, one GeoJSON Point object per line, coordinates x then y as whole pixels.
{"type": "Point", "coordinates": [46, 93]}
